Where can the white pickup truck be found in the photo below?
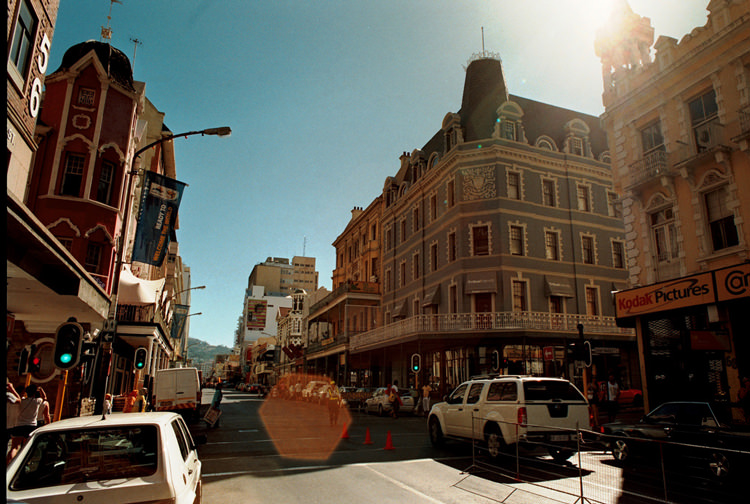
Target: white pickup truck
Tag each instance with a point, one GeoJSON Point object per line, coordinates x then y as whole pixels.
{"type": "Point", "coordinates": [501, 411]}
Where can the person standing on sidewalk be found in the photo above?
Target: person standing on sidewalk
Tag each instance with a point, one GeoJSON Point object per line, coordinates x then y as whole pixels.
{"type": "Point", "coordinates": [334, 403]}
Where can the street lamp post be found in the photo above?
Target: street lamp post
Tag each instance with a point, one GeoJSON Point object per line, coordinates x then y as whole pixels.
{"type": "Point", "coordinates": [185, 357]}
{"type": "Point", "coordinates": [101, 382]}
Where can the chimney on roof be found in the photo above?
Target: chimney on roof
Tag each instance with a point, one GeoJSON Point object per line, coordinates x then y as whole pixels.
{"type": "Point", "coordinates": [356, 212]}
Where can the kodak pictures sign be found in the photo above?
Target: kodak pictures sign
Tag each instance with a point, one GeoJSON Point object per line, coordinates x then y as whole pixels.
{"type": "Point", "coordinates": [705, 288]}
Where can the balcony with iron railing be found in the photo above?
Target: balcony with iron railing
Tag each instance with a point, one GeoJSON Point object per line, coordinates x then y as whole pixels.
{"type": "Point", "coordinates": [141, 315]}
{"type": "Point", "coordinates": [458, 323]}
{"type": "Point", "coordinates": [348, 287]}
{"type": "Point", "coordinates": [652, 165]}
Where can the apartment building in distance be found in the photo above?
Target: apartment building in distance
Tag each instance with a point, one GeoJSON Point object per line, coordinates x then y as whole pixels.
{"type": "Point", "coordinates": [679, 131]}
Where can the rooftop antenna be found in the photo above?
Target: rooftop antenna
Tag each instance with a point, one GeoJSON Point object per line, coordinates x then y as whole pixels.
{"type": "Point", "coordinates": [483, 40]}
{"type": "Point", "coordinates": [107, 31]}
{"type": "Point", "coordinates": [136, 42]}
{"type": "Point", "coordinates": [304, 246]}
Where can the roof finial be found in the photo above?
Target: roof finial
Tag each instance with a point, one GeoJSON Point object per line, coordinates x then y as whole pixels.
{"type": "Point", "coordinates": [107, 31]}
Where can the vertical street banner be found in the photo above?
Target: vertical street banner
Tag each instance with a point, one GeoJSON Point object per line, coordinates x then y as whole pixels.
{"type": "Point", "coordinates": [179, 315]}
{"type": "Point", "coordinates": [256, 314]}
{"type": "Point", "coordinates": [160, 200]}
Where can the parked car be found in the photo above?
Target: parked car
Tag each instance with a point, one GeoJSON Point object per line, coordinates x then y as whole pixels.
{"type": "Point", "coordinates": [688, 434]}
{"type": "Point", "coordinates": [311, 391]}
{"type": "Point", "coordinates": [121, 458]}
{"type": "Point", "coordinates": [355, 397]}
{"type": "Point", "coordinates": [380, 402]}
{"type": "Point", "coordinates": [501, 411]}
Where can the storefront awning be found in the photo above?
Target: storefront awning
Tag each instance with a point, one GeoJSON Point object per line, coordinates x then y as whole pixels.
{"type": "Point", "coordinates": [135, 291]}
{"type": "Point", "coordinates": [433, 296]}
{"type": "Point", "coordinates": [557, 287]}
{"type": "Point", "coordinates": [478, 283]}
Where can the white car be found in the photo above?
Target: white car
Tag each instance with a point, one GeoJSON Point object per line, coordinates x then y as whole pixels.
{"type": "Point", "coordinates": [311, 392]}
{"type": "Point", "coordinates": [501, 411]}
{"type": "Point", "coordinates": [121, 458]}
{"type": "Point", "coordinates": [381, 404]}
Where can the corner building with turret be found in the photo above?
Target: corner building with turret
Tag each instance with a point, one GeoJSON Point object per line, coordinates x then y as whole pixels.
{"type": "Point", "coordinates": [499, 236]}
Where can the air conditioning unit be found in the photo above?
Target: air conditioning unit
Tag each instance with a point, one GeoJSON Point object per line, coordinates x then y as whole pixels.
{"type": "Point", "coordinates": [704, 137]}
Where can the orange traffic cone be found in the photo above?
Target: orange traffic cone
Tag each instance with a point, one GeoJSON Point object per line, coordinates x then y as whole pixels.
{"type": "Point", "coordinates": [389, 442]}
{"type": "Point", "coordinates": [368, 440]}
{"type": "Point", "coordinates": [345, 433]}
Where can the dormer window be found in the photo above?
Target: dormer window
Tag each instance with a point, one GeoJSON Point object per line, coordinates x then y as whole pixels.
{"type": "Point", "coordinates": [508, 130]}
{"type": "Point", "coordinates": [577, 142]}
{"type": "Point", "coordinates": [576, 146]}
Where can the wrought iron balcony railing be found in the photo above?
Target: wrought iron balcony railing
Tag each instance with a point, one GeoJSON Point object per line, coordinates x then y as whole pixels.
{"type": "Point", "coordinates": [505, 321]}
{"type": "Point", "coordinates": [651, 165]}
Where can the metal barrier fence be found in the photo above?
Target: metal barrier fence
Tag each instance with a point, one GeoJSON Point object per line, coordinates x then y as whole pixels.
{"type": "Point", "coordinates": [649, 471]}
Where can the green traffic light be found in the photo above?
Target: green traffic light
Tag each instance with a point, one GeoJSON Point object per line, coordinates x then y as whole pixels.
{"type": "Point", "coordinates": [66, 358]}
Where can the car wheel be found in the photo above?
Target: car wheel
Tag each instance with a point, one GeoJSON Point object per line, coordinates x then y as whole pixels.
{"type": "Point", "coordinates": [495, 441]}
{"type": "Point", "coordinates": [718, 464]}
{"type": "Point", "coordinates": [436, 433]}
{"type": "Point", "coordinates": [621, 450]}
{"type": "Point", "coordinates": [560, 455]}
{"type": "Point", "coordinates": [380, 410]}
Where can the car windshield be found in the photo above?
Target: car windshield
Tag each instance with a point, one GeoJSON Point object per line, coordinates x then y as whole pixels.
{"type": "Point", "coordinates": [549, 390]}
{"type": "Point", "coordinates": [78, 456]}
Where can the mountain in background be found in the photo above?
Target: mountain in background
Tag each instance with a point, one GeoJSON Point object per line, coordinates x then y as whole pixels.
{"type": "Point", "coordinates": [199, 351]}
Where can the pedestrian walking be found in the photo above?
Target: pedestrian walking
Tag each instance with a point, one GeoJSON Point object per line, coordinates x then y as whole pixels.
{"type": "Point", "coordinates": [426, 391]}
{"type": "Point", "coordinates": [107, 404]}
{"type": "Point", "coordinates": [28, 410]}
{"type": "Point", "coordinates": [395, 399]}
{"type": "Point", "coordinates": [612, 392]}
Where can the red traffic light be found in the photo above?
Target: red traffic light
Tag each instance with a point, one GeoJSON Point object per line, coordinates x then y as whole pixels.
{"type": "Point", "coordinates": [35, 364]}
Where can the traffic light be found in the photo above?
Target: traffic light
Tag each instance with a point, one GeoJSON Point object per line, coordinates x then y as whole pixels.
{"type": "Point", "coordinates": [35, 360]}
{"type": "Point", "coordinates": [68, 340]}
{"type": "Point", "coordinates": [416, 363]}
{"type": "Point", "coordinates": [495, 360]}
{"type": "Point", "coordinates": [587, 356]}
{"type": "Point", "coordinates": [139, 361]}
{"type": "Point", "coordinates": [23, 361]}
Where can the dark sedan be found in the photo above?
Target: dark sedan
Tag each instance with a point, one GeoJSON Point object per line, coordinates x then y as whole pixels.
{"type": "Point", "coordinates": [682, 435]}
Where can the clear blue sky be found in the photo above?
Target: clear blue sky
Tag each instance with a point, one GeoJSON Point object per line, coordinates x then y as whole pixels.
{"type": "Point", "coordinates": [322, 98]}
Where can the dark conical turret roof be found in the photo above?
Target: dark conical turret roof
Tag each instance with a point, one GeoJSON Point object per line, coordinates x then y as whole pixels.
{"type": "Point", "coordinates": [484, 92]}
{"type": "Point", "coordinates": [112, 59]}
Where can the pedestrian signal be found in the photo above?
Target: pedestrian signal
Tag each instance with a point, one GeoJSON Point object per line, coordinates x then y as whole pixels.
{"type": "Point", "coordinates": [68, 338]}
{"type": "Point", "coordinates": [416, 363]}
{"type": "Point", "coordinates": [141, 355]}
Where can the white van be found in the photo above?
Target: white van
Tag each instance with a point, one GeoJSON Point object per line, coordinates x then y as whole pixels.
{"type": "Point", "coordinates": [178, 389]}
